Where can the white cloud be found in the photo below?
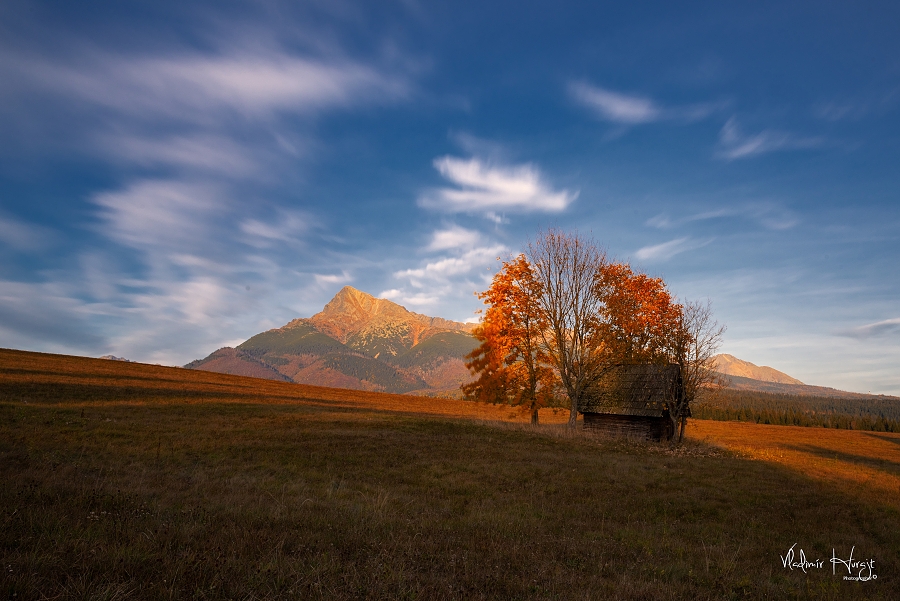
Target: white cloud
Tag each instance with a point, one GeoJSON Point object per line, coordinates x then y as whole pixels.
{"type": "Point", "coordinates": [420, 299]}
{"type": "Point", "coordinates": [631, 109]}
{"type": "Point", "coordinates": [453, 237]}
{"type": "Point", "coordinates": [615, 106]}
{"type": "Point", "coordinates": [160, 213]}
{"type": "Point", "coordinates": [288, 226]}
{"type": "Point", "coordinates": [448, 267]}
{"type": "Point", "coordinates": [667, 250]}
{"type": "Point", "coordinates": [487, 188]}
{"type": "Point", "coordinates": [338, 278]}
{"type": "Point", "coordinates": [44, 314]}
{"type": "Point", "coordinates": [205, 152]}
{"type": "Point", "coordinates": [204, 88]}
{"type": "Point", "coordinates": [734, 144]}
{"type": "Point", "coordinates": [871, 330]}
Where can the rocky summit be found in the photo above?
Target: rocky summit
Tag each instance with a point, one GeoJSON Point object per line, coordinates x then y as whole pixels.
{"type": "Point", "coordinates": [357, 341]}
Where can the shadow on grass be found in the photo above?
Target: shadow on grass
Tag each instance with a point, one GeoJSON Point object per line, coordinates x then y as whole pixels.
{"type": "Point", "coordinates": [885, 465]}
{"type": "Point", "coordinates": [892, 439]}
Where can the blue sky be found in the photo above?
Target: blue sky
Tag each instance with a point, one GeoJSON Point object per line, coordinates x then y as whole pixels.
{"type": "Point", "coordinates": [174, 179]}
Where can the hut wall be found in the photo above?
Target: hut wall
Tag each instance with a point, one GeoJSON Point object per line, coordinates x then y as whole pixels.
{"type": "Point", "coordinates": [652, 428]}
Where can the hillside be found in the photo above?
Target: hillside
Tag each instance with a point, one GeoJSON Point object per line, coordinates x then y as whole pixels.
{"type": "Point", "coordinates": [134, 481]}
{"type": "Point", "coordinates": [358, 342]}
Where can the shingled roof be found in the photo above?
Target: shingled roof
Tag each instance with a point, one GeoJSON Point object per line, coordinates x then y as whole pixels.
{"type": "Point", "coordinates": [638, 390]}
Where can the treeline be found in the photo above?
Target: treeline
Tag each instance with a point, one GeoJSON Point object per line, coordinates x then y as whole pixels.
{"type": "Point", "coordinates": [873, 414]}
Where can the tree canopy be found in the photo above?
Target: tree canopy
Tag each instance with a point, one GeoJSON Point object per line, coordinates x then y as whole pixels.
{"type": "Point", "coordinates": [562, 315]}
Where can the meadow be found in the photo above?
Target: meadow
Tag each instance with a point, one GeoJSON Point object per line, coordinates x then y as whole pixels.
{"type": "Point", "coordinates": [131, 481]}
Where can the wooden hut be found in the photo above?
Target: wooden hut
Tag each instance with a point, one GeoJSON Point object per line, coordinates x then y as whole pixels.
{"type": "Point", "coordinates": [634, 400]}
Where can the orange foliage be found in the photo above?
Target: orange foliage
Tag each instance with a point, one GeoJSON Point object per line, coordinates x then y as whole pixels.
{"type": "Point", "coordinates": [640, 316]}
{"type": "Point", "coordinates": [635, 321]}
{"type": "Point", "coordinates": [513, 368]}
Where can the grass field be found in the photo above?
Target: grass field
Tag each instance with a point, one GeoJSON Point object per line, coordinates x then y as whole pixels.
{"type": "Point", "coordinates": [129, 481]}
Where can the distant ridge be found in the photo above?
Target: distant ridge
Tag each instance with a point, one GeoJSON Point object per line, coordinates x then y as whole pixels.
{"type": "Point", "coordinates": [732, 366]}
{"type": "Point", "coordinates": [749, 384]}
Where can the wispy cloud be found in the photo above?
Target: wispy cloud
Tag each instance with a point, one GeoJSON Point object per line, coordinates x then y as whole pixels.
{"type": "Point", "coordinates": [448, 267]}
{"type": "Point", "coordinates": [453, 237]}
{"type": "Point", "coordinates": [161, 213]}
{"type": "Point", "coordinates": [22, 236]}
{"type": "Point", "coordinates": [633, 109]}
{"type": "Point", "coordinates": [770, 215]}
{"type": "Point", "coordinates": [615, 106]}
{"type": "Point", "coordinates": [419, 299]}
{"type": "Point", "coordinates": [202, 88]}
{"type": "Point", "coordinates": [872, 330]}
{"type": "Point", "coordinates": [486, 188]}
{"type": "Point", "coordinates": [336, 278]}
{"type": "Point", "coordinates": [288, 226]}
{"type": "Point", "coordinates": [855, 109]}
{"type": "Point", "coordinates": [210, 152]}
{"type": "Point", "coordinates": [734, 144]}
{"type": "Point", "coordinates": [44, 313]}
{"type": "Point", "coordinates": [667, 250]}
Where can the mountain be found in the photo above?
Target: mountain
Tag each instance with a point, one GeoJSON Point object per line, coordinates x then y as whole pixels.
{"type": "Point", "coordinates": [361, 342]}
{"type": "Point", "coordinates": [357, 341]}
{"type": "Point", "coordinates": [732, 366]}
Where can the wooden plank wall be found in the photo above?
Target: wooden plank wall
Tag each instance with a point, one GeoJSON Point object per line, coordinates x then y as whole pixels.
{"type": "Point", "coordinates": [648, 428]}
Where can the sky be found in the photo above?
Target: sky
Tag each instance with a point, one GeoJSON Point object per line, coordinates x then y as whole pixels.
{"type": "Point", "coordinates": [177, 177]}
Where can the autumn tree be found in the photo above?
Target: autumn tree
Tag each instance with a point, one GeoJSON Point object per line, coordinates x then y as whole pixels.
{"type": "Point", "coordinates": [564, 316]}
{"type": "Point", "coordinates": [638, 315]}
{"type": "Point", "coordinates": [511, 365]}
{"type": "Point", "coordinates": [693, 346]}
{"type": "Point", "coordinates": [565, 267]}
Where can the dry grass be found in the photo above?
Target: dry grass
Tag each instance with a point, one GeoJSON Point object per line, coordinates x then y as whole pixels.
{"type": "Point", "coordinates": [124, 481]}
{"type": "Point", "coordinates": [865, 464]}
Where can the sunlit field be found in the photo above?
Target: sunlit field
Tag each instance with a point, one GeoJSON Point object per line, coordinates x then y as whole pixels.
{"type": "Point", "coordinates": [129, 481]}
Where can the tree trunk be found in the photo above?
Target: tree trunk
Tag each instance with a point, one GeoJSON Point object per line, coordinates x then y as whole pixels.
{"type": "Point", "coordinates": [674, 419]}
{"type": "Point", "coordinates": [573, 416]}
{"type": "Point", "coordinates": [534, 414]}
{"type": "Point", "coordinates": [681, 432]}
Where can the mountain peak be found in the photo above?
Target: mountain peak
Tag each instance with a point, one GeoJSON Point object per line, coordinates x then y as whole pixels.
{"type": "Point", "coordinates": [357, 318]}
{"type": "Point", "coordinates": [351, 292]}
{"type": "Point", "coordinates": [732, 366]}
{"type": "Point", "coordinates": [355, 305]}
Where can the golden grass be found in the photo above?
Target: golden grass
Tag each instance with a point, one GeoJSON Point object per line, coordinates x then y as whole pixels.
{"type": "Point", "coordinates": [80, 381]}
{"type": "Point", "coordinates": [129, 481]}
{"type": "Point", "coordinates": [866, 464]}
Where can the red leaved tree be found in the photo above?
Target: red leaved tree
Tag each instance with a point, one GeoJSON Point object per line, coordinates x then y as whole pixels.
{"type": "Point", "coordinates": [511, 363]}
{"type": "Point", "coordinates": [639, 315]}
